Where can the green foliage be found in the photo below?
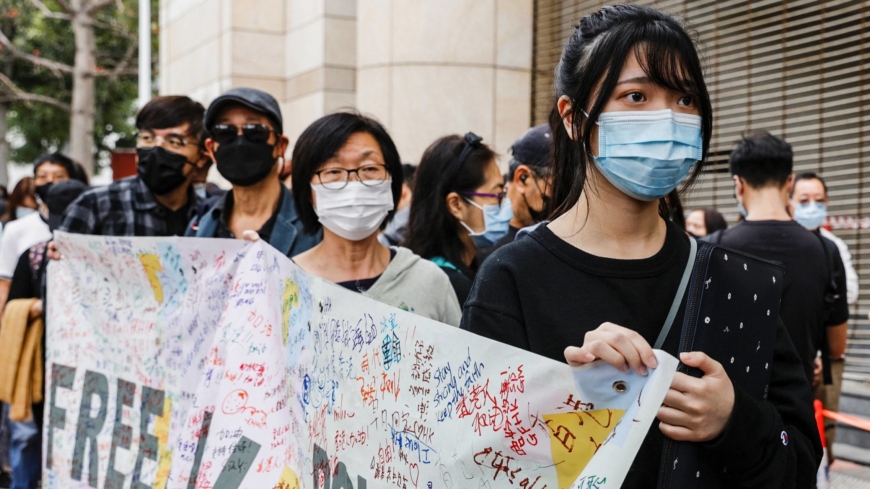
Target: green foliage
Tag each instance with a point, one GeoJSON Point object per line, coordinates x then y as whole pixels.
{"type": "Point", "coordinates": [38, 128]}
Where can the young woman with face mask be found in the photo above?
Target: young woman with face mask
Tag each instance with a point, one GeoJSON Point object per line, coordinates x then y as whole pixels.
{"type": "Point", "coordinates": [633, 120]}
{"type": "Point", "coordinates": [347, 180]}
{"type": "Point", "coordinates": [459, 207]}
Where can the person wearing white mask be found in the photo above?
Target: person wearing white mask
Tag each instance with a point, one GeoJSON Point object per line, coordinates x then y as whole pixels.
{"type": "Point", "coordinates": [347, 180]}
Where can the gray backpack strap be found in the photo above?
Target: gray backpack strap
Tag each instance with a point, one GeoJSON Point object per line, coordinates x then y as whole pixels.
{"type": "Point", "coordinates": [681, 290]}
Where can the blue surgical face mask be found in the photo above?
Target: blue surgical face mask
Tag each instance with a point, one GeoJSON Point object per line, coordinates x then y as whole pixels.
{"type": "Point", "coordinates": [497, 220]}
{"type": "Point", "coordinates": [199, 189]}
{"type": "Point", "coordinates": [811, 215]}
{"type": "Point", "coordinates": [23, 211]}
{"type": "Point", "coordinates": [742, 210]}
{"type": "Point", "coordinates": [646, 154]}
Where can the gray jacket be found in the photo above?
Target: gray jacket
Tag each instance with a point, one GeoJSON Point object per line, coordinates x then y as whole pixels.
{"type": "Point", "coordinates": [418, 286]}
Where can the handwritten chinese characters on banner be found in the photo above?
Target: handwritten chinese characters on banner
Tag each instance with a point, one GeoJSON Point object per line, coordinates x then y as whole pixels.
{"type": "Point", "coordinates": [183, 363]}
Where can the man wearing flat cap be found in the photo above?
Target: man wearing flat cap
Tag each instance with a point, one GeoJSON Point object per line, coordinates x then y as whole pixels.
{"type": "Point", "coordinates": [247, 144]}
{"type": "Point", "coordinates": [528, 183]}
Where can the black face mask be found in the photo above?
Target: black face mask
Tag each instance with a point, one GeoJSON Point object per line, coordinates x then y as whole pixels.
{"type": "Point", "coordinates": [42, 191]}
{"type": "Point", "coordinates": [161, 170]}
{"type": "Point", "coordinates": [540, 215]}
{"type": "Point", "coordinates": [243, 162]}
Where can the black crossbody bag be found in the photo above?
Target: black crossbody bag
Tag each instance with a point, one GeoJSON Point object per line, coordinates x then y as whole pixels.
{"type": "Point", "coordinates": [732, 310]}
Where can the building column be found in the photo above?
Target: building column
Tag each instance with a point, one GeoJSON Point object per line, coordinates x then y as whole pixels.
{"type": "Point", "coordinates": [429, 68]}
{"type": "Point", "coordinates": [321, 61]}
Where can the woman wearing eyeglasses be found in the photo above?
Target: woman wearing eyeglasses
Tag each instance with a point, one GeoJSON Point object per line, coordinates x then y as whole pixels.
{"type": "Point", "coordinates": [347, 180]}
{"type": "Point", "coordinates": [459, 206]}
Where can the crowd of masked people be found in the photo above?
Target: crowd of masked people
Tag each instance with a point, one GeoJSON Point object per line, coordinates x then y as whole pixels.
{"type": "Point", "coordinates": [575, 254]}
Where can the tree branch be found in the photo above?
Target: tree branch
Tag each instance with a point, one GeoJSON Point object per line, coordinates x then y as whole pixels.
{"type": "Point", "coordinates": [115, 27]}
{"type": "Point", "coordinates": [124, 63]}
{"type": "Point", "coordinates": [117, 71]}
{"type": "Point", "coordinates": [57, 68]}
{"type": "Point", "coordinates": [95, 5]}
{"type": "Point", "coordinates": [16, 94]}
{"type": "Point", "coordinates": [65, 6]}
{"type": "Point", "coordinates": [51, 14]}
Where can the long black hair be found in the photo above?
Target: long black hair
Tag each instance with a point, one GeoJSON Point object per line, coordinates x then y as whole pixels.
{"type": "Point", "coordinates": [432, 230]}
{"type": "Point", "coordinates": [595, 54]}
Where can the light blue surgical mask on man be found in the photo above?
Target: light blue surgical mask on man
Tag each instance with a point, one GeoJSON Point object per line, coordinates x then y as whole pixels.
{"type": "Point", "coordinates": [742, 210]}
{"type": "Point", "coordinates": [497, 219]}
{"type": "Point", "coordinates": [646, 154]}
{"type": "Point", "coordinates": [23, 211]}
{"type": "Point", "coordinates": [811, 215]}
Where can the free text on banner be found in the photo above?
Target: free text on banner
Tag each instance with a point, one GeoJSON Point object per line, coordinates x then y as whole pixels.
{"type": "Point", "coordinates": [187, 363]}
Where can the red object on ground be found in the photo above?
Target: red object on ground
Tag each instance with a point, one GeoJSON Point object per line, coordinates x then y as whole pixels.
{"type": "Point", "coordinates": [123, 163]}
{"type": "Point", "coordinates": [820, 421]}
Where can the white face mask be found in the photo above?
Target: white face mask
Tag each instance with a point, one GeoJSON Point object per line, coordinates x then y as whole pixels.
{"type": "Point", "coordinates": [356, 211]}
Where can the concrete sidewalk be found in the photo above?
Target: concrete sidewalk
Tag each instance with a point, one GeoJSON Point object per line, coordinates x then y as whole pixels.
{"type": "Point", "coordinates": [847, 475]}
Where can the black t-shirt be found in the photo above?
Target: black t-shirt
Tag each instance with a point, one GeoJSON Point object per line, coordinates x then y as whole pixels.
{"type": "Point", "coordinates": [364, 284]}
{"type": "Point", "coordinates": [461, 277]}
{"type": "Point", "coordinates": [839, 313]}
{"type": "Point", "coordinates": [807, 273]}
{"type": "Point", "coordinates": [484, 253]}
{"type": "Point", "coordinates": [542, 294]}
{"type": "Point", "coordinates": [560, 280]}
{"type": "Point", "coordinates": [223, 228]}
{"type": "Point", "coordinates": [28, 279]}
{"type": "Point", "coordinates": [177, 220]}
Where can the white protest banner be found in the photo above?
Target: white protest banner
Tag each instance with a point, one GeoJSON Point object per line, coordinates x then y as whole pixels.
{"type": "Point", "coordinates": [182, 363]}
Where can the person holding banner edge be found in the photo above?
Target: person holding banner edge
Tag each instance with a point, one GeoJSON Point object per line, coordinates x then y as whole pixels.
{"type": "Point", "coordinates": [597, 282]}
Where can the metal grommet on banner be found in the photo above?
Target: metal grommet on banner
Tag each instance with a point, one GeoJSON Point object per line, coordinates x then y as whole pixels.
{"type": "Point", "coordinates": [620, 387]}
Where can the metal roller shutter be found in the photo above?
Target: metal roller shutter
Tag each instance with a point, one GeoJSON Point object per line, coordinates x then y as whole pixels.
{"type": "Point", "coordinates": [794, 68]}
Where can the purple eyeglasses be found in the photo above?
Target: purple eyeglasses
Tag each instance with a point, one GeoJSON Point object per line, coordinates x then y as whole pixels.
{"type": "Point", "coordinates": [499, 196]}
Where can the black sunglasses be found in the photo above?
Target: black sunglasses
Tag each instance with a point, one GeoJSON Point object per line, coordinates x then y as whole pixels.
{"type": "Point", "coordinates": [255, 133]}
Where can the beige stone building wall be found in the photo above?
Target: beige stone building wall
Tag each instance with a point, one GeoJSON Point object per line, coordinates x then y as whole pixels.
{"type": "Point", "coordinates": [425, 68]}
{"type": "Point", "coordinates": [430, 68]}
{"type": "Point", "coordinates": [321, 61]}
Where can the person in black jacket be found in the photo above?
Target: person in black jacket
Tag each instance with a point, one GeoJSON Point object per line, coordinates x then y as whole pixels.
{"type": "Point", "coordinates": [633, 117]}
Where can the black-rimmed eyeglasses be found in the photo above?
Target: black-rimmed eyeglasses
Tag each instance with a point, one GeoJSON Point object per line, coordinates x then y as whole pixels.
{"type": "Point", "coordinates": [337, 178]}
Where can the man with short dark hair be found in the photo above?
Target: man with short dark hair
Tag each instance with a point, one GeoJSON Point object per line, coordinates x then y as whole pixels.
{"type": "Point", "coordinates": [247, 143]}
{"type": "Point", "coordinates": [761, 166]}
{"type": "Point", "coordinates": [159, 200]}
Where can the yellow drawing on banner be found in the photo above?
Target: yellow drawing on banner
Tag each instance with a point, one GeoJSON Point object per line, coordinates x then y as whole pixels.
{"type": "Point", "coordinates": [164, 454]}
{"type": "Point", "coordinates": [151, 264]}
{"type": "Point", "coordinates": [290, 298]}
{"type": "Point", "coordinates": [288, 480]}
{"type": "Point", "coordinates": [575, 437]}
